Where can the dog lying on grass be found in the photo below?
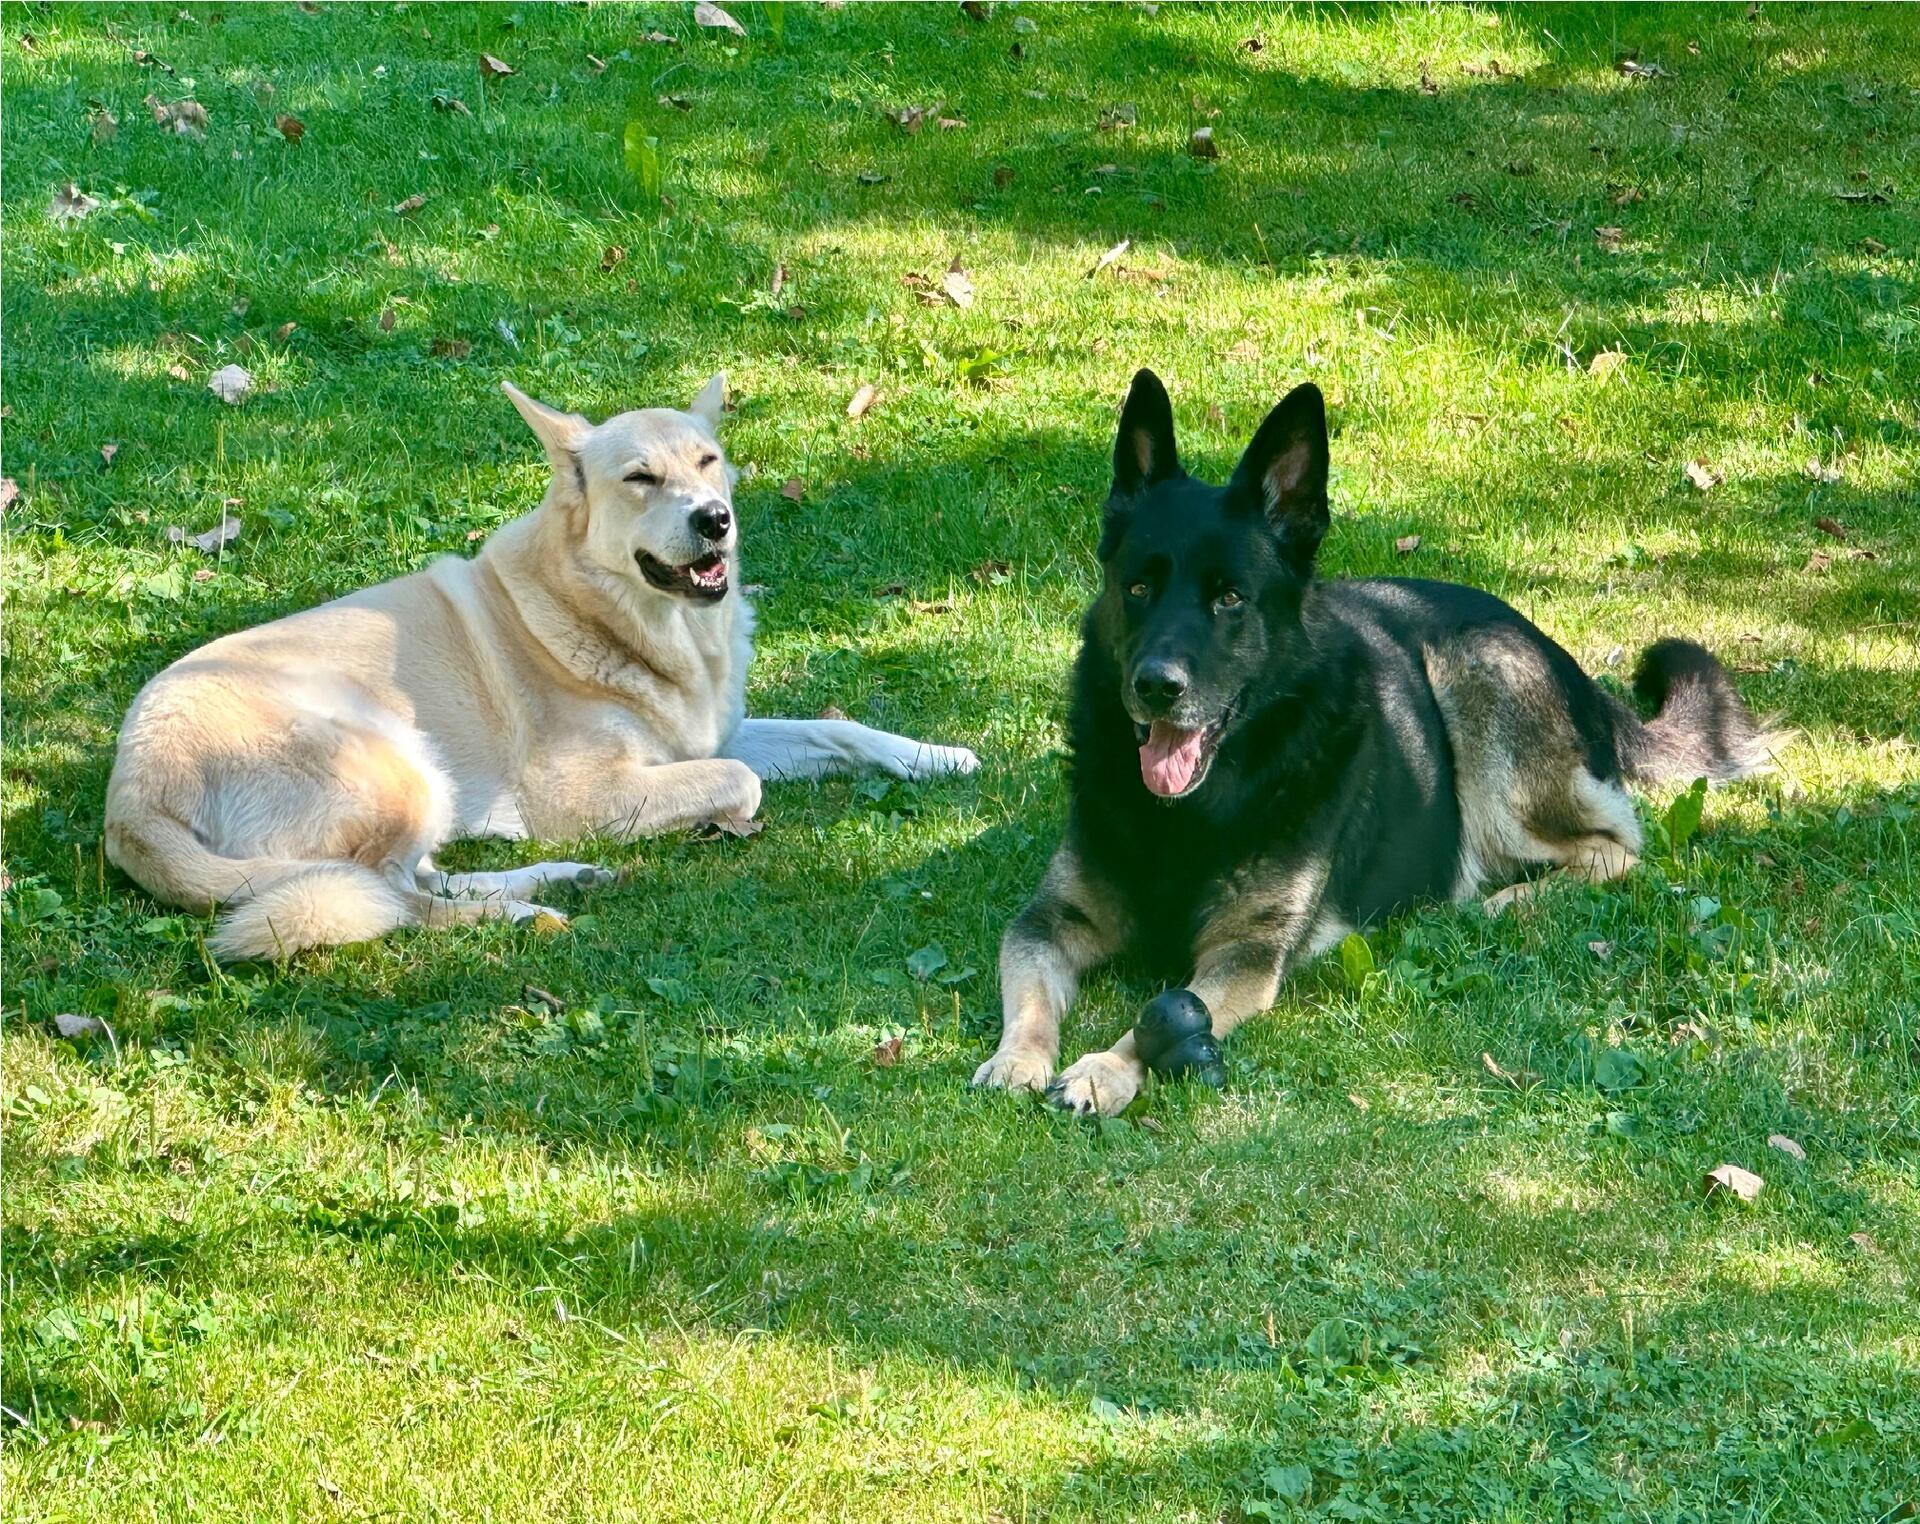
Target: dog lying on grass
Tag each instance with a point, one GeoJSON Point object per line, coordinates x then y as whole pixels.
{"type": "Point", "coordinates": [585, 674]}
{"type": "Point", "coordinates": [1263, 761]}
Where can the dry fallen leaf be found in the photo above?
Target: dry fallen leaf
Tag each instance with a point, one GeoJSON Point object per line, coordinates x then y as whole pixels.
{"type": "Point", "coordinates": [1602, 950]}
{"type": "Point", "coordinates": [714, 830]}
{"type": "Point", "coordinates": [187, 119]}
{"type": "Point", "coordinates": [1609, 238]}
{"type": "Point", "coordinates": [1244, 350]}
{"type": "Point", "coordinates": [107, 452]}
{"type": "Point", "coordinates": [932, 606]}
{"type": "Point", "coordinates": [222, 534]}
{"type": "Point", "coordinates": [705, 14]}
{"type": "Point", "coordinates": [69, 1025]}
{"type": "Point", "coordinates": [1702, 475]}
{"type": "Point", "coordinates": [1359, 1102]}
{"type": "Point", "coordinates": [205, 574]}
{"type": "Point", "coordinates": [291, 128]}
{"type": "Point", "coordinates": [1520, 1079]}
{"type": "Point", "coordinates": [952, 123]}
{"type": "Point", "coordinates": [992, 573]}
{"type": "Point", "coordinates": [1605, 363]}
{"type": "Point", "coordinates": [872, 177]}
{"type": "Point", "coordinates": [1866, 1243]}
{"type": "Point", "coordinates": [1109, 257]}
{"type": "Point", "coordinates": [1819, 561]}
{"type": "Point", "coordinates": [1786, 1145]}
{"type": "Point", "coordinates": [493, 68]}
{"type": "Point", "coordinates": [9, 493]}
{"type": "Point", "coordinates": [231, 384]}
{"type": "Point", "coordinates": [1201, 144]}
{"type": "Point", "coordinates": [861, 400]}
{"type": "Point", "coordinates": [1832, 527]}
{"type": "Point", "coordinates": [386, 320]}
{"type": "Point", "coordinates": [598, 65]}
{"type": "Point", "coordinates": [792, 488]}
{"type": "Point", "coordinates": [1407, 544]}
{"type": "Point", "coordinates": [661, 39]}
{"type": "Point", "coordinates": [1872, 246]}
{"type": "Point", "coordinates": [1743, 1183]}
{"type": "Point", "coordinates": [1002, 177]}
{"type": "Point", "coordinates": [676, 102]}
{"type": "Point", "coordinates": [450, 103]}
{"type": "Point", "coordinates": [909, 119]}
{"type": "Point", "coordinates": [70, 204]}
{"type": "Point", "coordinates": [886, 1054]}
{"type": "Point", "coordinates": [831, 712]}
{"type": "Point", "coordinates": [411, 205]}
{"type": "Point", "coordinates": [612, 256]}
{"type": "Point", "coordinates": [957, 284]}
{"type": "Point", "coordinates": [105, 125]}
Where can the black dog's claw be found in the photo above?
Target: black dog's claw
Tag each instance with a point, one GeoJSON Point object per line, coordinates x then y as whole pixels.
{"type": "Point", "coordinates": [1174, 1038]}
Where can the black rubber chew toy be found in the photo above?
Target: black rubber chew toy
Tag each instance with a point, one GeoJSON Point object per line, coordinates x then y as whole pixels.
{"type": "Point", "coordinates": [1174, 1038]}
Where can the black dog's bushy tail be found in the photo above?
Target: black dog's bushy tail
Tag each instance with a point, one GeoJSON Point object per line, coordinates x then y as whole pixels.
{"type": "Point", "coordinates": [1700, 728]}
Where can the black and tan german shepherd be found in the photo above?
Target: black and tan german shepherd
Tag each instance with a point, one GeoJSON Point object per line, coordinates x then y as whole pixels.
{"type": "Point", "coordinates": [1263, 760]}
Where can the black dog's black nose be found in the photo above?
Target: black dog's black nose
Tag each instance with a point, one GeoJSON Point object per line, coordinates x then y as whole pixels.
{"type": "Point", "coordinates": [1159, 684]}
{"type": "Point", "coordinates": [711, 522]}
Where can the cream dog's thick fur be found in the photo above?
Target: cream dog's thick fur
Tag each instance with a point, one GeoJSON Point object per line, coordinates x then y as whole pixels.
{"type": "Point", "coordinates": [584, 674]}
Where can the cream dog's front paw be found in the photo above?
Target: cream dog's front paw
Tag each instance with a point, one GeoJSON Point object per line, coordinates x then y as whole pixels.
{"type": "Point", "coordinates": [1015, 1069]}
{"type": "Point", "coordinates": [1102, 1083]}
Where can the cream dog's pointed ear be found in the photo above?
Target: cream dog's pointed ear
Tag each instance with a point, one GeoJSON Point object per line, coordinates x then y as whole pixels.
{"type": "Point", "coordinates": [712, 401]}
{"type": "Point", "coordinates": [561, 433]}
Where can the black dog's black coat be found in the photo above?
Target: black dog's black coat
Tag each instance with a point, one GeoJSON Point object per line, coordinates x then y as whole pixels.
{"type": "Point", "coordinates": [1262, 760]}
{"type": "Point", "coordinates": [1313, 768]}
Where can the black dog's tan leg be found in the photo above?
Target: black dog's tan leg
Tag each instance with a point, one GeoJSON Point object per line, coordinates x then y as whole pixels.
{"type": "Point", "coordinates": [1235, 981]}
{"type": "Point", "coordinates": [1238, 980]}
{"type": "Point", "coordinates": [1065, 929]}
{"type": "Point", "coordinates": [1244, 954]}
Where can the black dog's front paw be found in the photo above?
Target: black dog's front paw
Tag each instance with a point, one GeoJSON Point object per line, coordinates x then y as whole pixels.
{"type": "Point", "coordinates": [1174, 1038]}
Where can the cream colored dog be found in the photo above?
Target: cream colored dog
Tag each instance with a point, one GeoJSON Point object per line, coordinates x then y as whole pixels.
{"type": "Point", "coordinates": [584, 674]}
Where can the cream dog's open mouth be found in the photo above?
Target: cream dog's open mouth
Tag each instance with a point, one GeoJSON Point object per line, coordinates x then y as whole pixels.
{"type": "Point", "coordinates": [703, 579]}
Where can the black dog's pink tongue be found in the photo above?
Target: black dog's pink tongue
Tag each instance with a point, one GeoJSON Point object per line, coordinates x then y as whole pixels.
{"type": "Point", "coordinates": [1170, 758]}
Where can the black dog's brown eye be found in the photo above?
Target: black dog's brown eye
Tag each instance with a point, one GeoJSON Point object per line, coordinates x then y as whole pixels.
{"type": "Point", "coordinates": [644, 478]}
{"type": "Point", "coordinates": [1228, 599]}
{"type": "Point", "coordinates": [1137, 590]}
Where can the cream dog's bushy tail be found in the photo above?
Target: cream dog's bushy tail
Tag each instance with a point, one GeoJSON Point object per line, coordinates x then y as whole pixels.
{"type": "Point", "coordinates": [314, 905]}
{"type": "Point", "coordinates": [270, 908]}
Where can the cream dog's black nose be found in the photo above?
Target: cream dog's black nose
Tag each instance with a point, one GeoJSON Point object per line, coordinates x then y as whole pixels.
{"type": "Point", "coordinates": [711, 521]}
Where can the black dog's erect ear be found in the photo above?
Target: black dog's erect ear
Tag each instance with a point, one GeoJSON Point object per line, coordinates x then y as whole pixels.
{"type": "Point", "coordinates": [1143, 451]}
{"type": "Point", "coordinates": [1285, 472]}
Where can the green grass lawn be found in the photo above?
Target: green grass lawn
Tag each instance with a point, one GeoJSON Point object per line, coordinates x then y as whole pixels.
{"type": "Point", "coordinates": [638, 1222]}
